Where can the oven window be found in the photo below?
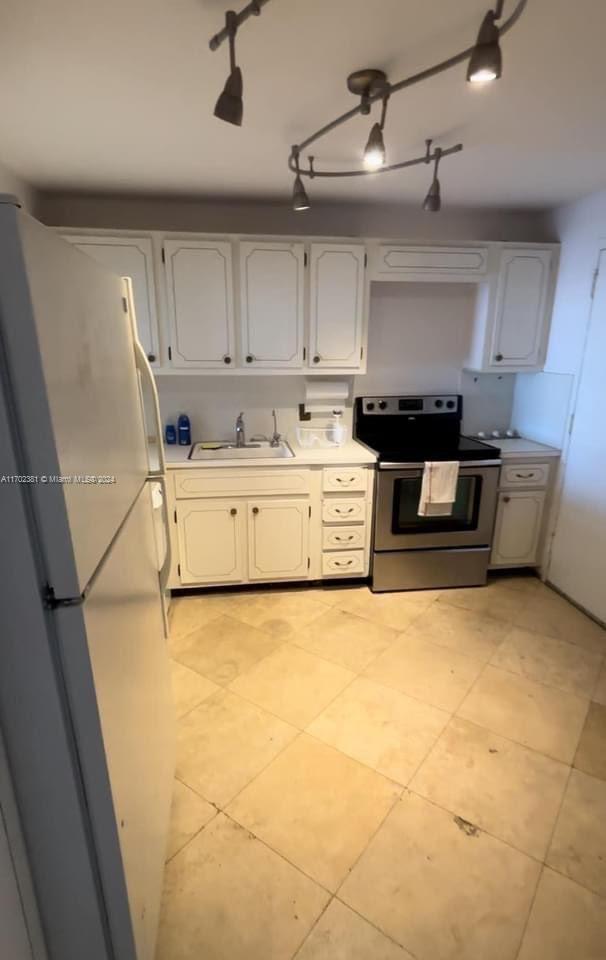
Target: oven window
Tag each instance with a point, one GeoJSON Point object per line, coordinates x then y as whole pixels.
{"type": "Point", "coordinates": [465, 510]}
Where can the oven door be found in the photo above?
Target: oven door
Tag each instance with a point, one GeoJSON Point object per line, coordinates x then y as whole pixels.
{"type": "Point", "coordinates": [398, 525]}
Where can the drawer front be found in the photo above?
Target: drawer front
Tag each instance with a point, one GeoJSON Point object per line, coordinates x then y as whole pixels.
{"type": "Point", "coordinates": [344, 538]}
{"type": "Point", "coordinates": [525, 475]}
{"type": "Point", "coordinates": [352, 510]}
{"type": "Point", "coordinates": [343, 478]}
{"type": "Point", "coordinates": [245, 483]}
{"type": "Point", "coordinates": [341, 564]}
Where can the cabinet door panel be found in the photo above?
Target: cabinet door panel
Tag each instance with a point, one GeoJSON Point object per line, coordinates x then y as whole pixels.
{"type": "Point", "coordinates": [521, 321]}
{"type": "Point", "coordinates": [518, 528]}
{"type": "Point", "coordinates": [211, 541]}
{"type": "Point", "coordinates": [130, 257]}
{"type": "Point", "coordinates": [271, 296]}
{"type": "Point", "coordinates": [278, 539]}
{"type": "Point", "coordinates": [200, 303]}
{"type": "Point", "coordinates": [336, 305]}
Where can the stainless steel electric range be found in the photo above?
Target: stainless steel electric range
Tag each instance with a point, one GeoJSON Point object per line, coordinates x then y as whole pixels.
{"type": "Point", "coordinates": [412, 552]}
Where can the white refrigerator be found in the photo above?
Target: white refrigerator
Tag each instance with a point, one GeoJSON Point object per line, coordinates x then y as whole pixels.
{"type": "Point", "coordinates": [72, 426]}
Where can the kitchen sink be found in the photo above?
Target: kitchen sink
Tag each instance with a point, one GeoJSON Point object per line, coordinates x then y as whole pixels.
{"type": "Point", "coordinates": [250, 451]}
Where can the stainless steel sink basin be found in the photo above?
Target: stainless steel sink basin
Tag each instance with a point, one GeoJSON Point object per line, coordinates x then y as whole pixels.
{"type": "Point", "coordinates": [251, 451]}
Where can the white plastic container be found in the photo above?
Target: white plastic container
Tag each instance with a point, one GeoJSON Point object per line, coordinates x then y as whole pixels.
{"type": "Point", "coordinates": [330, 435]}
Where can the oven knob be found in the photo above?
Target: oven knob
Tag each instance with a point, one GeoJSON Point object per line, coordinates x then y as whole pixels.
{"type": "Point", "coordinates": [370, 406]}
{"type": "Point", "coordinates": [439, 403]}
{"type": "Point", "coordinates": [382, 404]}
{"type": "Point", "coordinates": [450, 404]}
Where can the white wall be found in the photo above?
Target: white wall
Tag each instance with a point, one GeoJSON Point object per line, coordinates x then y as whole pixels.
{"type": "Point", "coordinates": [543, 403]}
{"type": "Point", "coordinates": [215, 215]}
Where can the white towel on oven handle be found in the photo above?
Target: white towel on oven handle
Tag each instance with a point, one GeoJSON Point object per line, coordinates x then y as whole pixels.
{"type": "Point", "coordinates": [438, 488]}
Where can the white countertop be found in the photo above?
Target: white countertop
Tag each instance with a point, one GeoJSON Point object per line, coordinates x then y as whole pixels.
{"type": "Point", "coordinates": [514, 448]}
{"type": "Point", "coordinates": [351, 453]}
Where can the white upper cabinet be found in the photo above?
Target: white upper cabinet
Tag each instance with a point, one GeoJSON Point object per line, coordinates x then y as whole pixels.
{"type": "Point", "coordinates": [429, 264]}
{"type": "Point", "coordinates": [199, 291]}
{"type": "Point", "coordinates": [271, 304]}
{"type": "Point", "coordinates": [513, 311]}
{"type": "Point", "coordinates": [129, 257]}
{"type": "Point", "coordinates": [336, 308]}
{"type": "Point", "coordinates": [521, 308]}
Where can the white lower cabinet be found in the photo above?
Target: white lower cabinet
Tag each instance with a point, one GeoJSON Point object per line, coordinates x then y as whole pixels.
{"type": "Point", "coordinates": [211, 538]}
{"type": "Point", "coordinates": [271, 524]}
{"type": "Point", "coordinates": [278, 539]}
{"type": "Point", "coordinates": [518, 528]}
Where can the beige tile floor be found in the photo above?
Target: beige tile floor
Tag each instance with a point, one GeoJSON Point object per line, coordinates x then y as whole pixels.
{"type": "Point", "coordinates": [411, 776]}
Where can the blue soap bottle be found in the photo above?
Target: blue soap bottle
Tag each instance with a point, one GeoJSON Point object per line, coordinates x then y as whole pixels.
{"type": "Point", "coordinates": [184, 430]}
{"type": "Point", "coordinates": [170, 433]}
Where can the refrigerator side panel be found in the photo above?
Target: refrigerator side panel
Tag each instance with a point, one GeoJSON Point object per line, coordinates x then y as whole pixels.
{"type": "Point", "coordinates": [38, 737]}
{"type": "Point", "coordinates": [118, 680]}
{"type": "Point", "coordinates": [64, 317]}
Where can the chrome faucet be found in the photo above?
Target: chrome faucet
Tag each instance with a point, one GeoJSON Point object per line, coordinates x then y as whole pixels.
{"type": "Point", "coordinates": [275, 437]}
{"type": "Point", "coordinates": [240, 435]}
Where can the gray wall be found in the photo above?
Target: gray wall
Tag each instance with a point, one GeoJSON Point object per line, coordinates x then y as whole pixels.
{"type": "Point", "coordinates": [329, 219]}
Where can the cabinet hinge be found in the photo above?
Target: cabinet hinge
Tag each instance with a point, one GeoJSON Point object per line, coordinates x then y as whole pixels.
{"type": "Point", "coordinates": [125, 304]}
{"type": "Point", "coordinates": [365, 260]}
{"type": "Point", "coordinates": [361, 353]}
{"type": "Point", "coordinates": [305, 353]}
{"type": "Point", "coordinates": [309, 511]}
{"type": "Point", "coordinates": [308, 562]}
{"type": "Point", "coordinates": [163, 255]}
{"type": "Point", "coordinates": [594, 282]}
{"type": "Point", "coordinates": [175, 515]}
{"type": "Point", "coordinates": [305, 259]}
{"type": "Point", "coordinates": [571, 424]}
{"type": "Point", "coordinates": [170, 353]}
{"type": "Point", "coordinates": [179, 569]}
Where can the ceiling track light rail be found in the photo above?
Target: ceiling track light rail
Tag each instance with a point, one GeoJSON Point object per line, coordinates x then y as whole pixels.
{"type": "Point", "coordinates": [484, 64]}
{"type": "Point", "coordinates": [252, 9]}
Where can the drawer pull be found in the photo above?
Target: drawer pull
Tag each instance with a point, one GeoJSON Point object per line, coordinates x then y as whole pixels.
{"type": "Point", "coordinates": [344, 512]}
{"type": "Point", "coordinates": [345, 479]}
{"type": "Point", "coordinates": [345, 539]}
{"type": "Point", "coordinates": [343, 563]}
{"type": "Point", "coordinates": [255, 510]}
{"type": "Point", "coordinates": [233, 511]}
{"type": "Point", "coordinates": [525, 476]}
{"type": "Point", "coordinates": [506, 499]}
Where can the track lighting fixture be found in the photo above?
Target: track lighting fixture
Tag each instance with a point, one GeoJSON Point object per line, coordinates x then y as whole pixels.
{"type": "Point", "coordinates": [229, 105]}
{"type": "Point", "coordinates": [374, 151]}
{"type": "Point", "coordinates": [433, 200]}
{"type": "Point", "coordinates": [486, 62]}
{"type": "Point", "coordinates": [300, 200]}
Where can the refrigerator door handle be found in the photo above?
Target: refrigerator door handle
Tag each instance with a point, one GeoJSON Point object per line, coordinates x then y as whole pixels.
{"type": "Point", "coordinates": [168, 555]}
{"type": "Point", "coordinates": [145, 370]}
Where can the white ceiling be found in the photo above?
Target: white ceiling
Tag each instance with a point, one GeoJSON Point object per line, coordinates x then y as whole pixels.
{"type": "Point", "coordinates": [117, 95]}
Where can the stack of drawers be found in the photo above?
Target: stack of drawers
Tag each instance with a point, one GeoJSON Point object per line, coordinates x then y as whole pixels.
{"type": "Point", "coordinates": [345, 493]}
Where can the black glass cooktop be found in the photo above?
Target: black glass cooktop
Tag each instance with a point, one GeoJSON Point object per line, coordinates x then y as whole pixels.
{"type": "Point", "coordinates": [459, 448]}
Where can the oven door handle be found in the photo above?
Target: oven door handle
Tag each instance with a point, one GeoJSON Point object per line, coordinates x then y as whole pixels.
{"type": "Point", "coordinates": [464, 465]}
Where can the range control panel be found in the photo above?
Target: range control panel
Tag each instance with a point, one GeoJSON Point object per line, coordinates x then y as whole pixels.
{"type": "Point", "coordinates": [392, 406]}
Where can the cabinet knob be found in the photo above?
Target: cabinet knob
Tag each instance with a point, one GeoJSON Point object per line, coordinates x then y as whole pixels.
{"type": "Point", "coordinates": [317, 358]}
{"type": "Point", "coordinates": [498, 357]}
{"type": "Point", "coordinates": [151, 357]}
{"type": "Point", "coordinates": [226, 359]}
{"type": "Point", "coordinates": [233, 511]}
{"type": "Point", "coordinates": [255, 509]}
{"type": "Point", "coordinates": [249, 358]}
{"type": "Point", "coordinates": [506, 499]}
